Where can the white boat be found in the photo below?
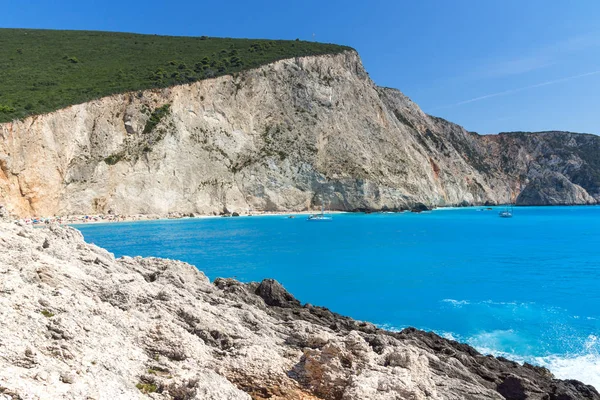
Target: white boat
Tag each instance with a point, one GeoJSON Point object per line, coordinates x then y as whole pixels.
{"type": "Point", "coordinates": [320, 217]}
{"type": "Point", "coordinates": [507, 213]}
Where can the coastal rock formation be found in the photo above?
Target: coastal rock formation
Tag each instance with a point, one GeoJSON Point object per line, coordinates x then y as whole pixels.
{"type": "Point", "coordinates": [555, 167]}
{"type": "Point", "coordinates": [287, 136]}
{"type": "Point", "coordinates": [78, 323]}
{"type": "Point", "coordinates": [553, 188]}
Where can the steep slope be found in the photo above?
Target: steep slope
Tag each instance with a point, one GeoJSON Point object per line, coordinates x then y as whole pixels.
{"type": "Point", "coordinates": [455, 155]}
{"type": "Point", "coordinates": [45, 70]}
{"type": "Point", "coordinates": [558, 167]}
{"type": "Point", "coordinates": [78, 323]}
{"type": "Point", "coordinates": [286, 136]}
{"type": "Point", "coordinates": [541, 168]}
{"type": "Point", "coordinates": [281, 137]}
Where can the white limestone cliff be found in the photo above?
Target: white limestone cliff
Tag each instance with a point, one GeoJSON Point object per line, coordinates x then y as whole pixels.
{"type": "Point", "coordinates": [286, 136]}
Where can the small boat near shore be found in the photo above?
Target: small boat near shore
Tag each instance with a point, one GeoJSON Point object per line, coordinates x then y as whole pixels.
{"type": "Point", "coordinates": [508, 210]}
{"type": "Point", "coordinates": [507, 213]}
{"type": "Point", "coordinates": [320, 217]}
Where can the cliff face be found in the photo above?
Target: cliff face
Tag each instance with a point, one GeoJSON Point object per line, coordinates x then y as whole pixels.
{"type": "Point", "coordinates": [78, 323]}
{"type": "Point", "coordinates": [285, 136]}
{"type": "Point", "coordinates": [556, 167]}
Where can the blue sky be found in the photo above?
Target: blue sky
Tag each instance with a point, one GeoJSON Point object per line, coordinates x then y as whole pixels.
{"type": "Point", "coordinates": [489, 65]}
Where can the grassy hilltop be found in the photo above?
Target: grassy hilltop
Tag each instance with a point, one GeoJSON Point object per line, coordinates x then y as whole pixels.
{"type": "Point", "coordinates": [44, 70]}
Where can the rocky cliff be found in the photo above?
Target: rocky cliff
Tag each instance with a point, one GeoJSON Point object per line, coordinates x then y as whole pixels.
{"type": "Point", "coordinates": [555, 167]}
{"type": "Point", "coordinates": [79, 324]}
{"type": "Point", "coordinates": [285, 136]}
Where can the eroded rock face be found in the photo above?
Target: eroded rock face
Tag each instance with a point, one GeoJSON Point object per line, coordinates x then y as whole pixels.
{"type": "Point", "coordinates": [552, 167]}
{"type": "Point", "coordinates": [78, 323]}
{"type": "Point", "coordinates": [287, 136]}
{"type": "Point", "coordinates": [553, 188]}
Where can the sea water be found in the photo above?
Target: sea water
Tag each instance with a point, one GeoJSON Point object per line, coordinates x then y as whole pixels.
{"type": "Point", "coordinates": [527, 288]}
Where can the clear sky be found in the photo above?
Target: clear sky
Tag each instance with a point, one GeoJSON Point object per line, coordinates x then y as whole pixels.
{"type": "Point", "coordinates": [489, 65]}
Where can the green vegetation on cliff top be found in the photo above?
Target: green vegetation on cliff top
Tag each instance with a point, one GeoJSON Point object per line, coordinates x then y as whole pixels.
{"type": "Point", "coordinates": [45, 70]}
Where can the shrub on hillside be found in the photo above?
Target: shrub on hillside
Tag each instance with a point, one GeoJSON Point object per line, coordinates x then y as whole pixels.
{"type": "Point", "coordinates": [108, 63]}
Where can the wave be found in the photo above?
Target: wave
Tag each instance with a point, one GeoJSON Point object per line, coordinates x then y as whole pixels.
{"type": "Point", "coordinates": [583, 366]}
{"type": "Point", "coordinates": [565, 342]}
{"type": "Point", "coordinates": [391, 328]}
{"type": "Point", "coordinates": [448, 335]}
{"type": "Point", "coordinates": [487, 302]}
{"type": "Point", "coordinates": [456, 302]}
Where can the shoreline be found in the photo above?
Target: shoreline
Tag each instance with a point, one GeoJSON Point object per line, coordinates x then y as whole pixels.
{"type": "Point", "coordinates": [560, 365]}
{"type": "Point", "coordinates": [243, 329]}
{"type": "Point", "coordinates": [111, 218]}
{"type": "Point", "coordinates": [80, 219]}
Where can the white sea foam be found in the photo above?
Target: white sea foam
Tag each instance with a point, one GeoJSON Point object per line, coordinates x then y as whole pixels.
{"type": "Point", "coordinates": [503, 303]}
{"type": "Point", "coordinates": [448, 335]}
{"type": "Point", "coordinates": [391, 328]}
{"type": "Point", "coordinates": [456, 303]}
{"type": "Point", "coordinates": [584, 367]}
{"type": "Point", "coordinates": [487, 302]}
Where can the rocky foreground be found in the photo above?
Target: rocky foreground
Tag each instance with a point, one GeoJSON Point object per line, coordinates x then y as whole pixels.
{"type": "Point", "coordinates": [79, 324]}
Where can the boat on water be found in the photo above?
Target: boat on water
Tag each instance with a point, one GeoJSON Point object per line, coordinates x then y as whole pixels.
{"type": "Point", "coordinates": [320, 217]}
{"type": "Point", "coordinates": [507, 213]}
{"type": "Point", "coordinates": [508, 210]}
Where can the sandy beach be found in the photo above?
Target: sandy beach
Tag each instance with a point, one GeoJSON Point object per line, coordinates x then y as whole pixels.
{"type": "Point", "coordinates": [115, 218]}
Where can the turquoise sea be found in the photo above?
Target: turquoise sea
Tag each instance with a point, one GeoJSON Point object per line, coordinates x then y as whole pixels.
{"type": "Point", "coordinates": [527, 288]}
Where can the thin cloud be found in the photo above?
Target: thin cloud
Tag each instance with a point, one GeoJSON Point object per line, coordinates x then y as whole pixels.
{"type": "Point", "coordinates": [511, 91]}
{"type": "Point", "coordinates": [542, 57]}
{"type": "Point", "coordinates": [515, 67]}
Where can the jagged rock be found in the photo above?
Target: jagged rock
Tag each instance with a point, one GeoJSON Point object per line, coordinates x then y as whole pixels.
{"type": "Point", "coordinates": [274, 294]}
{"type": "Point", "coordinates": [553, 188]}
{"type": "Point", "coordinates": [145, 327]}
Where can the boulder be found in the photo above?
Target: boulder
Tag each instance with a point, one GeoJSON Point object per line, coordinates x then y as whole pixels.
{"type": "Point", "coordinates": [274, 294]}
